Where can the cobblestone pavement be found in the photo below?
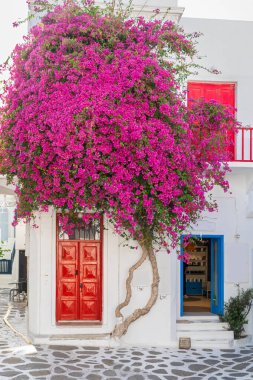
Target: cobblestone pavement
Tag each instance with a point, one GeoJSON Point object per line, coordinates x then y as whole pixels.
{"type": "Point", "coordinates": [93, 363]}
{"type": "Point", "coordinates": [9, 340]}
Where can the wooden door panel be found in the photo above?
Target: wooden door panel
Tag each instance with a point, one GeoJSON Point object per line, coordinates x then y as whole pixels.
{"type": "Point", "coordinates": [69, 289]}
{"type": "Point", "coordinates": [67, 281]}
{"type": "Point", "coordinates": [90, 290]}
{"type": "Point", "coordinates": [89, 310]}
{"type": "Point", "coordinates": [89, 253]}
{"type": "Point", "coordinates": [89, 272]}
{"type": "Point", "coordinates": [90, 279]}
{"type": "Point", "coordinates": [68, 310]}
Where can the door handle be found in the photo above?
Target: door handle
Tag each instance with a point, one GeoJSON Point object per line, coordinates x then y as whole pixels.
{"type": "Point", "coordinates": [81, 285]}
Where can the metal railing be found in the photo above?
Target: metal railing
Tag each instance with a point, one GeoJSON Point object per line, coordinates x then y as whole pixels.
{"type": "Point", "coordinates": [6, 265]}
{"type": "Point", "coordinates": [244, 145]}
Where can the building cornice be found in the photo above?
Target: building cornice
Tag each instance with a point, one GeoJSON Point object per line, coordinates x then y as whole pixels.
{"type": "Point", "coordinates": [170, 13]}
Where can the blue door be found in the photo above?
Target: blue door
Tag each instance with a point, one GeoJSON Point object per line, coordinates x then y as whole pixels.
{"type": "Point", "coordinates": [217, 276]}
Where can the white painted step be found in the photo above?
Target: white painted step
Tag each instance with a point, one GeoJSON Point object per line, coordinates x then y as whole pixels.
{"type": "Point", "coordinates": [201, 318]}
{"type": "Point", "coordinates": [212, 344]}
{"type": "Point", "coordinates": [199, 326]}
{"type": "Point", "coordinates": [205, 331]}
{"type": "Point", "coordinates": [207, 335]}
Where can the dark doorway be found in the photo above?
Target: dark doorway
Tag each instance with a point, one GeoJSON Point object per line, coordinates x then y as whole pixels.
{"type": "Point", "coordinates": [22, 273]}
{"type": "Point", "coordinates": [197, 290]}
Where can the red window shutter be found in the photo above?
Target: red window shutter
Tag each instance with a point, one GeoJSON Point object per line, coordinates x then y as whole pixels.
{"type": "Point", "coordinates": [223, 93]}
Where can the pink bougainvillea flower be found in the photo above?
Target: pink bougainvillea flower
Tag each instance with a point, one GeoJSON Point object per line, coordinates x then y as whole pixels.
{"type": "Point", "coordinates": [93, 119]}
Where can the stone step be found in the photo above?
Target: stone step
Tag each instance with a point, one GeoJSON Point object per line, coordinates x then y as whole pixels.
{"type": "Point", "coordinates": [205, 331]}
{"type": "Point", "coordinates": [215, 344]}
{"type": "Point", "coordinates": [80, 336]}
{"type": "Point", "coordinates": [80, 339]}
{"type": "Point", "coordinates": [200, 326]}
{"type": "Point", "coordinates": [207, 335]}
{"type": "Point", "coordinates": [199, 318]}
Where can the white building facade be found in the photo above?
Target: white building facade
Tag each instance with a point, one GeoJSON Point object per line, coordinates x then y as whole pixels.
{"type": "Point", "coordinates": [75, 284]}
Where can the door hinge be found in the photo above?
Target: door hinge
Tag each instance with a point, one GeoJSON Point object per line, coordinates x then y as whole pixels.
{"type": "Point", "coordinates": [76, 272]}
{"type": "Point", "coordinates": [81, 285]}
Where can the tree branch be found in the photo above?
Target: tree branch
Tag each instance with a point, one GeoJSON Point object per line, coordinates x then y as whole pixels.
{"type": "Point", "coordinates": [122, 328]}
{"type": "Point", "coordinates": [128, 282]}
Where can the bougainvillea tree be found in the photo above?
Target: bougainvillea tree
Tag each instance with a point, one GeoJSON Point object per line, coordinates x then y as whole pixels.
{"type": "Point", "coordinates": [94, 119]}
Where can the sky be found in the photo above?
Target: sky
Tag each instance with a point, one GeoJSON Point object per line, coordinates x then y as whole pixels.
{"type": "Point", "coordinates": [12, 10]}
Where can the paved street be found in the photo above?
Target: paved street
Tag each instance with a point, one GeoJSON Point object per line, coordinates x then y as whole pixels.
{"type": "Point", "coordinates": [20, 361]}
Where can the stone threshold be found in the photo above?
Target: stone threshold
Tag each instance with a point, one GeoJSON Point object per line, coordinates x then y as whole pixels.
{"type": "Point", "coordinates": [80, 336]}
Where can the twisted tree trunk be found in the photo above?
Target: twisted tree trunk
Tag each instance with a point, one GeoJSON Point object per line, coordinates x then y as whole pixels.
{"type": "Point", "coordinates": [121, 328]}
{"type": "Point", "coordinates": [128, 282]}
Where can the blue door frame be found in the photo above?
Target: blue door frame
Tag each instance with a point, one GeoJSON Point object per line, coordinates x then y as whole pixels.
{"type": "Point", "coordinates": [215, 308]}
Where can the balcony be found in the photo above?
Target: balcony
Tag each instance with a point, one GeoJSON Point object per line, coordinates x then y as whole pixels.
{"type": "Point", "coordinates": [243, 145]}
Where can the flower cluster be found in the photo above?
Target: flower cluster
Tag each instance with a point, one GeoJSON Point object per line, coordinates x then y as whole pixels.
{"type": "Point", "coordinates": [93, 119]}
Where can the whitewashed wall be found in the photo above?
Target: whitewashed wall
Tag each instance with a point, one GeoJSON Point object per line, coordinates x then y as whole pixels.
{"type": "Point", "coordinates": [225, 45]}
{"type": "Point", "coordinates": [42, 286]}
{"type": "Point", "coordinates": [159, 326]}
{"type": "Point", "coordinates": [154, 329]}
{"type": "Point", "coordinates": [233, 222]}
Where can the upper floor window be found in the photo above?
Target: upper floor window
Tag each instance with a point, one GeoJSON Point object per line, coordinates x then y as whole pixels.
{"type": "Point", "coordinates": [223, 93]}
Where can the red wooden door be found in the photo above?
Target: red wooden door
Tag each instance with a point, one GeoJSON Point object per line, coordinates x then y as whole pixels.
{"type": "Point", "coordinates": [90, 281]}
{"type": "Point", "coordinates": [67, 297]}
{"type": "Point", "coordinates": [79, 274]}
{"type": "Point", "coordinates": [223, 93]}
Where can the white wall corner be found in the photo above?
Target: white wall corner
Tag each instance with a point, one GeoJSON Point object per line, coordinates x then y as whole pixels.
{"type": "Point", "coordinates": [249, 208]}
{"type": "Point", "coordinates": [27, 239]}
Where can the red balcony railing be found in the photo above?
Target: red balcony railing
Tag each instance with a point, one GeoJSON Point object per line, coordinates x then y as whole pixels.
{"type": "Point", "coordinates": [244, 145]}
